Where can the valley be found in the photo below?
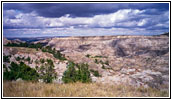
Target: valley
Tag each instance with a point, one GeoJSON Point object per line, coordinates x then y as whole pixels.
{"type": "Point", "coordinates": [136, 61]}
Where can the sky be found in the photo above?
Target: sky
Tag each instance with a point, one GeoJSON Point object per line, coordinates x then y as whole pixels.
{"type": "Point", "coordinates": [84, 19]}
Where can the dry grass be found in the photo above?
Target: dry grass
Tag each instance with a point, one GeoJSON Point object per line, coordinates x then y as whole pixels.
{"type": "Point", "coordinates": [29, 89]}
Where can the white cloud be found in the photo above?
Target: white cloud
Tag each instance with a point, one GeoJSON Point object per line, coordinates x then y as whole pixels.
{"type": "Point", "coordinates": [142, 22]}
{"type": "Point", "coordinates": [108, 20]}
{"type": "Point", "coordinates": [125, 21]}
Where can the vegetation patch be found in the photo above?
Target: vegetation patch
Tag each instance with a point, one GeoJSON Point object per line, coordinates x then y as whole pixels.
{"type": "Point", "coordinates": [6, 58]}
{"type": "Point", "coordinates": [28, 45]}
{"type": "Point", "coordinates": [76, 72]}
{"type": "Point", "coordinates": [88, 55]}
{"type": "Point", "coordinates": [95, 73]}
{"type": "Point", "coordinates": [37, 46]}
{"type": "Point", "coordinates": [20, 71]}
{"type": "Point", "coordinates": [97, 56]}
{"type": "Point", "coordinates": [55, 53]}
{"type": "Point", "coordinates": [102, 63]}
{"type": "Point", "coordinates": [46, 71]}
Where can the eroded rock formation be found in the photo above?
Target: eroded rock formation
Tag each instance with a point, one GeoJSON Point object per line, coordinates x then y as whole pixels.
{"type": "Point", "coordinates": [131, 60]}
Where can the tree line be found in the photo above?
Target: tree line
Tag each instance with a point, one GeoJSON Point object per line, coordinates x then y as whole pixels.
{"type": "Point", "coordinates": [56, 53]}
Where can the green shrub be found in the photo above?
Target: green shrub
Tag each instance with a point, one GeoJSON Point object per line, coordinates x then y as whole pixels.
{"type": "Point", "coordinates": [18, 58]}
{"type": "Point", "coordinates": [98, 56]}
{"type": "Point", "coordinates": [88, 55]}
{"type": "Point", "coordinates": [96, 61]}
{"type": "Point", "coordinates": [29, 45]}
{"type": "Point", "coordinates": [47, 71]}
{"type": "Point", "coordinates": [22, 58]}
{"type": "Point", "coordinates": [28, 59]}
{"type": "Point", "coordinates": [103, 67]}
{"type": "Point", "coordinates": [42, 60]}
{"type": "Point", "coordinates": [101, 62]}
{"type": "Point", "coordinates": [55, 53]}
{"type": "Point", "coordinates": [76, 72]}
{"type": "Point", "coordinates": [106, 62]}
{"type": "Point", "coordinates": [6, 59]}
{"type": "Point", "coordinates": [83, 73]}
{"type": "Point", "coordinates": [36, 61]}
{"type": "Point", "coordinates": [95, 73]}
{"type": "Point", "coordinates": [70, 74]}
{"type": "Point", "coordinates": [48, 49]}
{"type": "Point", "coordinates": [20, 71]}
{"type": "Point", "coordinates": [58, 55]}
{"type": "Point", "coordinates": [44, 50]}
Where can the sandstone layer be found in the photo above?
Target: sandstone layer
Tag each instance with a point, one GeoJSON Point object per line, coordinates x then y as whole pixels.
{"type": "Point", "coordinates": [130, 60]}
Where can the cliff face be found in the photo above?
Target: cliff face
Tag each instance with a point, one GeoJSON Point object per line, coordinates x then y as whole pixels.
{"type": "Point", "coordinates": [133, 60]}
{"type": "Point", "coordinates": [119, 46]}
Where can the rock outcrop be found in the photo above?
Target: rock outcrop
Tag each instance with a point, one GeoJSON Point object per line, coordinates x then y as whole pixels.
{"type": "Point", "coordinates": [133, 60]}
{"type": "Point", "coordinates": [130, 60]}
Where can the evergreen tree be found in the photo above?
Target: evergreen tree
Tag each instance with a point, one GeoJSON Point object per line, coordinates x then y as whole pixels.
{"type": "Point", "coordinates": [20, 71]}
{"type": "Point", "coordinates": [47, 71]}
{"type": "Point", "coordinates": [76, 72]}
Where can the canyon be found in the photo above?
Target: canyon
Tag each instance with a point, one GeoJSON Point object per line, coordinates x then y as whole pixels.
{"type": "Point", "coordinates": [140, 61]}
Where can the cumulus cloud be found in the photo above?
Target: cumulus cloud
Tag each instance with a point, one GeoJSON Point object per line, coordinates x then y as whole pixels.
{"type": "Point", "coordinates": [120, 22]}
{"type": "Point", "coordinates": [121, 18]}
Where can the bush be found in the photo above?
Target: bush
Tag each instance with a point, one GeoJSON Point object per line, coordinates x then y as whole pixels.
{"type": "Point", "coordinates": [106, 62]}
{"type": "Point", "coordinates": [20, 71]}
{"type": "Point", "coordinates": [28, 59]}
{"type": "Point", "coordinates": [101, 62]}
{"type": "Point", "coordinates": [22, 58]}
{"type": "Point", "coordinates": [96, 61]}
{"type": "Point", "coordinates": [76, 72]}
{"type": "Point", "coordinates": [98, 57]}
{"type": "Point", "coordinates": [88, 55]}
{"type": "Point", "coordinates": [29, 45]}
{"type": "Point", "coordinates": [47, 71]}
{"type": "Point", "coordinates": [44, 50]}
{"type": "Point", "coordinates": [55, 53]}
{"type": "Point", "coordinates": [83, 73]}
{"type": "Point", "coordinates": [42, 60]}
{"type": "Point", "coordinates": [70, 74]}
{"type": "Point", "coordinates": [103, 67]}
{"type": "Point", "coordinates": [48, 49]}
{"type": "Point", "coordinates": [6, 59]}
{"type": "Point", "coordinates": [95, 73]}
{"type": "Point", "coordinates": [58, 55]}
{"type": "Point", "coordinates": [36, 61]}
{"type": "Point", "coordinates": [18, 58]}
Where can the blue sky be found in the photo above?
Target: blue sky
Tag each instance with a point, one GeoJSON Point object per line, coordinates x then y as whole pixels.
{"type": "Point", "coordinates": [84, 19]}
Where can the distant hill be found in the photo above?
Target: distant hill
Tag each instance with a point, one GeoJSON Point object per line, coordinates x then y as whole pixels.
{"type": "Point", "coordinates": [5, 41]}
{"type": "Point", "coordinates": [166, 33]}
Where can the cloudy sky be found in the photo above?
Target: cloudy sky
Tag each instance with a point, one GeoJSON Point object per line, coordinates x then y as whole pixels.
{"type": "Point", "coordinates": [84, 19]}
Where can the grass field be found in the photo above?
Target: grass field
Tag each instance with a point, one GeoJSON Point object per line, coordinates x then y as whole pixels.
{"type": "Point", "coordinates": [29, 89]}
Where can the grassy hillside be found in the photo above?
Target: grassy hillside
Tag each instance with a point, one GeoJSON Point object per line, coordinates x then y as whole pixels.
{"type": "Point", "coordinates": [29, 89]}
